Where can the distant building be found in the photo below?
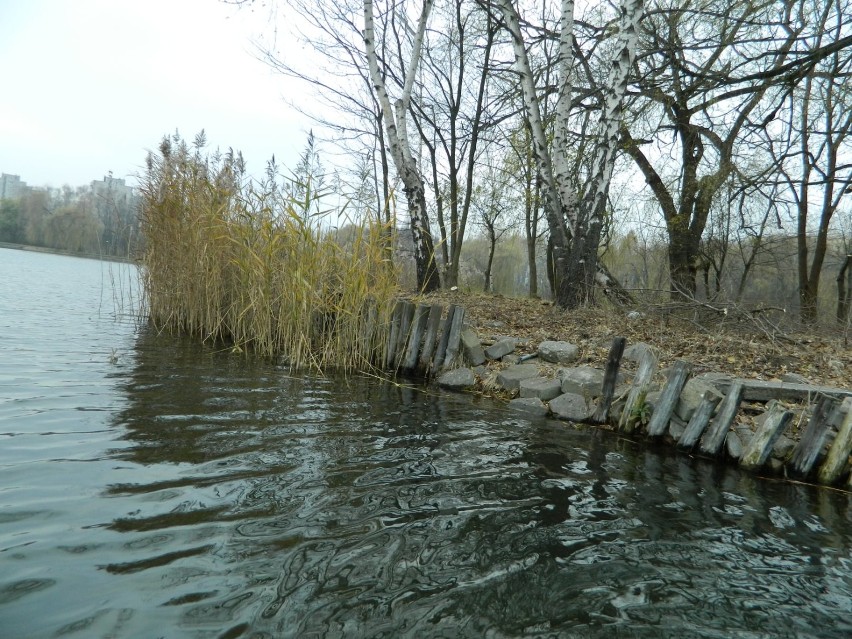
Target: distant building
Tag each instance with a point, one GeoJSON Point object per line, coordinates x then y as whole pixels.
{"type": "Point", "coordinates": [113, 190]}
{"type": "Point", "coordinates": [12, 187]}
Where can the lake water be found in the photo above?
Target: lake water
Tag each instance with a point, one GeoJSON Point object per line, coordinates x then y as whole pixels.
{"type": "Point", "coordinates": [154, 487]}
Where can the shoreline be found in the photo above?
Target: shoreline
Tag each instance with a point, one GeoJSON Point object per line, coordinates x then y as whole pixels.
{"type": "Point", "coordinates": [88, 256]}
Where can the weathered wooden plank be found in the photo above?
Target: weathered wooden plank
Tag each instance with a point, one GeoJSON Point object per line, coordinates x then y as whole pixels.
{"type": "Point", "coordinates": [418, 325]}
{"type": "Point", "coordinates": [813, 438]}
{"type": "Point", "coordinates": [638, 392]}
{"type": "Point", "coordinates": [838, 454]}
{"type": "Point", "coordinates": [404, 330]}
{"type": "Point", "coordinates": [454, 342]}
{"type": "Point", "coordinates": [699, 420]}
{"type": "Point", "coordinates": [370, 315]}
{"type": "Point", "coordinates": [668, 400]}
{"type": "Point", "coordinates": [714, 436]}
{"type": "Point", "coordinates": [438, 360]}
{"type": "Point", "coordinates": [430, 339]}
{"type": "Point", "coordinates": [390, 354]}
{"type": "Point", "coordinates": [613, 363]}
{"type": "Point", "coordinates": [755, 390]}
{"type": "Point", "coordinates": [758, 449]}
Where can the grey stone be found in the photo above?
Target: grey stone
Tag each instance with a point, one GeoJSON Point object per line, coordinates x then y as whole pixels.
{"type": "Point", "coordinates": [479, 370]}
{"type": "Point", "coordinates": [734, 445]}
{"type": "Point", "coordinates": [511, 358]}
{"type": "Point", "coordinates": [510, 378]}
{"type": "Point", "coordinates": [558, 352]}
{"type": "Point", "coordinates": [530, 405]}
{"type": "Point", "coordinates": [457, 379]}
{"type": "Point", "coordinates": [570, 406]}
{"type": "Point", "coordinates": [500, 348]}
{"type": "Point", "coordinates": [794, 378]}
{"type": "Point", "coordinates": [635, 352]}
{"type": "Point", "coordinates": [676, 428]}
{"type": "Point", "coordinates": [583, 380]}
{"type": "Point", "coordinates": [691, 395]}
{"type": "Point", "coordinates": [783, 448]}
{"type": "Point", "coordinates": [744, 433]}
{"type": "Point", "coordinates": [472, 347]}
{"type": "Point", "coordinates": [721, 381]}
{"type": "Point", "coordinates": [544, 389]}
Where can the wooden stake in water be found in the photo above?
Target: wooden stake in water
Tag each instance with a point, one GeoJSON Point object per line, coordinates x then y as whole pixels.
{"type": "Point", "coordinates": [838, 454]}
{"type": "Point", "coordinates": [668, 400]}
{"type": "Point", "coordinates": [638, 392]}
{"type": "Point", "coordinates": [758, 449]}
{"type": "Point", "coordinates": [613, 363]}
{"type": "Point", "coordinates": [714, 437]}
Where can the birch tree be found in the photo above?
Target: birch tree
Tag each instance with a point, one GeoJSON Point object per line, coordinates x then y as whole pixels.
{"type": "Point", "coordinates": [574, 213]}
{"type": "Point", "coordinates": [394, 118]}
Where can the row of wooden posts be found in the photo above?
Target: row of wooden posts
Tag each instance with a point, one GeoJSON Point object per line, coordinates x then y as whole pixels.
{"type": "Point", "coordinates": [709, 436]}
{"type": "Point", "coordinates": [423, 342]}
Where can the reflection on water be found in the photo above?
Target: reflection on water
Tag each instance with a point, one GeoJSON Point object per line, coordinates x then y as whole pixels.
{"type": "Point", "coordinates": [216, 496]}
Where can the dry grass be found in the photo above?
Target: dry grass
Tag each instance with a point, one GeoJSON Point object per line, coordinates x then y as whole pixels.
{"type": "Point", "coordinates": [230, 259]}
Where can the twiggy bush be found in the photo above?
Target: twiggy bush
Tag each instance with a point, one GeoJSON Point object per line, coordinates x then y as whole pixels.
{"type": "Point", "coordinates": [231, 259]}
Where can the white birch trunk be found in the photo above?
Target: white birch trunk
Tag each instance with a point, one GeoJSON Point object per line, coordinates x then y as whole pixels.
{"type": "Point", "coordinates": [554, 209]}
{"type": "Point", "coordinates": [567, 216]}
{"type": "Point", "coordinates": [394, 121]}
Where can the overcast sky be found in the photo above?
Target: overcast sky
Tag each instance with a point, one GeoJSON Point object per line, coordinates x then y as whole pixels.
{"type": "Point", "coordinates": [88, 86]}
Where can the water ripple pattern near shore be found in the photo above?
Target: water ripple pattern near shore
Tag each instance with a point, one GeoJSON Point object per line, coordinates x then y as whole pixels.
{"type": "Point", "coordinates": [176, 490]}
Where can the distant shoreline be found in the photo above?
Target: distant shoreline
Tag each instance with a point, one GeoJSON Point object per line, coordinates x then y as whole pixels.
{"type": "Point", "coordinates": [44, 249]}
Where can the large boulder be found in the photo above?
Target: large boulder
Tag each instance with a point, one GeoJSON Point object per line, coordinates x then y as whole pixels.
{"type": "Point", "coordinates": [691, 395]}
{"type": "Point", "coordinates": [558, 352]}
{"type": "Point", "coordinates": [530, 405]}
{"type": "Point", "coordinates": [635, 352]}
{"type": "Point", "coordinates": [510, 378]}
{"type": "Point", "coordinates": [544, 389]}
{"type": "Point", "coordinates": [472, 347]}
{"type": "Point", "coordinates": [457, 379]}
{"type": "Point", "coordinates": [582, 380]}
{"type": "Point", "coordinates": [501, 347]}
{"type": "Point", "coordinates": [571, 406]}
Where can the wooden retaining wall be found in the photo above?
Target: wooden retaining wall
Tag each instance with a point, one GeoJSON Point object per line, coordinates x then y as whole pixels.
{"type": "Point", "coordinates": [707, 434]}
{"type": "Point", "coordinates": [423, 339]}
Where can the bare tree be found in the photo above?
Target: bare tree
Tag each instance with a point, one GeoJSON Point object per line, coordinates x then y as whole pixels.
{"type": "Point", "coordinates": [575, 214]}
{"type": "Point", "coordinates": [394, 119]}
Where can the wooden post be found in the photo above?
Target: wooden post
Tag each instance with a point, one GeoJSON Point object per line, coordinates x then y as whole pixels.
{"type": "Point", "coordinates": [638, 392]}
{"type": "Point", "coordinates": [758, 449]}
{"type": "Point", "coordinates": [394, 335]}
{"type": "Point", "coordinates": [838, 454]}
{"type": "Point", "coordinates": [813, 437]}
{"type": "Point", "coordinates": [454, 341]}
{"type": "Point", "coordinates": [668, 400]}
{"type": "Point", "coordinates": [714, 437]}
{"type": "Point", "coordinates": [430, 339]}
{"type": "Point", "coordinates": [404, 328]}
{"type": "Point", "coordinates": [613, 363]}
{"type": "Point", "coordinates": [438, 360]}
{"type": "Point", "coordinates": [418, 325]}
{"type": "Point", "coordinates": [369, 317]}
{"type": "Point", "coordinates": [699, 420]}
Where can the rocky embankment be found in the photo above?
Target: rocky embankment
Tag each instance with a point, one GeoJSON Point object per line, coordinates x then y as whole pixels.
{"type": "Point", "coordinates": [785, 426]}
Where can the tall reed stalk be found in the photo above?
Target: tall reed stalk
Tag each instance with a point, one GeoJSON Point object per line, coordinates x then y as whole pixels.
{"type": "Point", "coordinates": [231, 259]}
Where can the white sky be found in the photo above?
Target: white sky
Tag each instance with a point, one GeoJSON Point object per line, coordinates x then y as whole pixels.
{"type": "Point", "coordinates": [88, 86]}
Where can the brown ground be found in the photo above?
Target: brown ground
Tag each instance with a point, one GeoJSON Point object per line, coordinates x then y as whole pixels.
{"type": "Point", "coordinates": [749, 345]}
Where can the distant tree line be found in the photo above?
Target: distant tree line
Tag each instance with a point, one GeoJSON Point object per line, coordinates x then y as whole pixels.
{"type": "Point", "coordinates": [99, 219]}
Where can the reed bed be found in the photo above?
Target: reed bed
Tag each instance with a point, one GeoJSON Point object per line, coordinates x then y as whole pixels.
{"type": "Point", "coordinates": [231, 259]}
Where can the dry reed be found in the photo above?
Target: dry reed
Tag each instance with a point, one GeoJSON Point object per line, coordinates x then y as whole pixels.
{"type": "Point", "coordinates": [231, 259]}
